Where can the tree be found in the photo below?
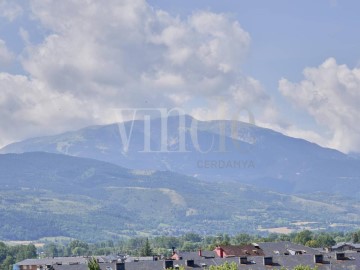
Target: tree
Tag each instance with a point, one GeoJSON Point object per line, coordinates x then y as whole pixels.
{"type": "Point", "coordinates": [79, 251]}
{"type": "Point", "coordinates": [355, 238]}
{"type": "Point", "coordinates": [51, 250]}
{"type": "Point", "coordinates": [3, 251]}
{"type": "Point", "coordinates": [30, 251]}
{"type": "Point", "coordinates": [284, 237]}
{"type": "Point", "coordinates": [312, 243]}
{"type": "Point", "coordinates": [134, 244]}
{"type": "Point", "coordinates": [303, 237]}
{"type": "Point", "coordinates": [325, 240]}
{"type": "Point", "coordinates": [225, 266]}
{"type": "Point", "coordinates": [77, 243]}
{"type": "Point", "coordinates": [146, 249]}
{"type": "Point", "coordinates": [192, 237]}
{"type": "Point", "coordinates": [303, 267]}
{"type": "Point", "coordinates": [8, 262]}
{"type": "Point", "coordinates": [190, 246]}
{"type": "Point", "coordinates": [241, 239]}
{"type": "Point", "coordinates": [93, 264]}
{"type": "Point", "coordinates": [222, 239]}
{"type": "Point", "coordinates": [78, 247]}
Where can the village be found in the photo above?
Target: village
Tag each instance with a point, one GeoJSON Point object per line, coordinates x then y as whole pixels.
{"type": "Point", "coordinates": [254, 256]}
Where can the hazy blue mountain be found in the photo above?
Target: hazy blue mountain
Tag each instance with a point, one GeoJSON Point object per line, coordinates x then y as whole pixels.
{"type": "Point", "coordinates": [44, 194]}
{"type": "Point", "coordinates": [253, 155]}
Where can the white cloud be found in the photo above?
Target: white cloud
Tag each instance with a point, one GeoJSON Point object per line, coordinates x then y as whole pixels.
{"type": "Point", "coordinates": [293, 130]}
{"type": "Point", "coordinates": [125, 54]}
{"type": "Point", "coordinates": [28, 107]}
{"type": "Point", "coordinates": [10, 9]}
{"type": "Point", "coordinates": [128, 54]}
{"type": "Point", "coordinates": [6, 56]}
{"type": "Point", "coordinates": [331, 94]}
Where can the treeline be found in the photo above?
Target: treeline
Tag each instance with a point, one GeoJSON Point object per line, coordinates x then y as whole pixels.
{"type": "Point", "coordinates": [12, 254]}
{"type": "Point", "coordinates": [162, 245]}
{"type": "Point", "coordinates": [142, 246]}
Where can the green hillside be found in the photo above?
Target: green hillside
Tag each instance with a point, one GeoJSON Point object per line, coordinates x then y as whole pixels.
{"type": "Point", "coordinates": [46, 195]}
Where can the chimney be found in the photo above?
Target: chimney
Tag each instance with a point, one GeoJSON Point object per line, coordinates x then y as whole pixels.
{"type": "Point", "coordinates": [268, 260]}
{"type": "Point", "coordinates": [168, 264]}
{"type": "Point", "coordinates": [173, 250]}
{"type": "Point", "coordinates": [120, 266]}
{"type": "Point", "coordinates": [318, 258]}
{"type": "Point", "coordinates": [219, 251]}
{"type": "Point", "coordinates": [243, 260]}
{"type": "Point", "coordinates": [200, 252]}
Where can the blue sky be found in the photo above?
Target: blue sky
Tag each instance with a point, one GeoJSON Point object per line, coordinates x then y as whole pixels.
{"type": "Point", "coordinates": [77, 60]}
{"type": "Point", "coordinates": [287, 36]}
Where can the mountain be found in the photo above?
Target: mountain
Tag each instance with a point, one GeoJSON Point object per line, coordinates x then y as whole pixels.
{"type": "Point", "coordinates": [46, 194]}
{"type": "Point", "coordinates": [239, 152]}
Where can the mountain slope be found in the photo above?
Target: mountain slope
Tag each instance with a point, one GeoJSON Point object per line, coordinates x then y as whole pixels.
{"type": "Point", "coordinates": [47, 194]}
{"type": "Point", "coordinates": [248, 154]}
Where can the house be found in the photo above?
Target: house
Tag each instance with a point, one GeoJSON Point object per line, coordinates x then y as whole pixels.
{"type": "Point", "coordinates": [238, 251]}
{"type": "Point", "coordinates": [193, 260]}
{"type": "Point", "coordinates": [285, 248]}
{"type": "Point", "coordinates": [345, 247]}
{"type": "Point", "coordinates": [139, 258]}
{"type": "Point", "coordinates": [201, 254]}
{"type": "Point", "coordinates": [251, 263]}
{"type": "Point", "coordinates": [47, 263]}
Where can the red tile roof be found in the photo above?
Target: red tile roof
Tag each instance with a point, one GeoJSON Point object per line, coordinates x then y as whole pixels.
{"type": "Point", "coordinates": [238, 251]}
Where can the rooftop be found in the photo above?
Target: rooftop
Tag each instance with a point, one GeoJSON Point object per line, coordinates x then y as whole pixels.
{"type": "Point", "coordinates": [243, 250]}
{"type": "Point", "coordinates": [254, 263]}
{"type": "Point", "coordinates": [285, 248]}
{"type": "Point", "coordinates": [346, 244]}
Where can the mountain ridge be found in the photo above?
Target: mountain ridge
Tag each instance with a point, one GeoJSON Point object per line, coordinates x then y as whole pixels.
{"type": "Point", "coordinates": [260, 157]}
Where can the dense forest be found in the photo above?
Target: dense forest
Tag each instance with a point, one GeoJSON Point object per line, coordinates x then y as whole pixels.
{"type": "Point", "coordinates": [12, 254]}
{"type": "Point", "coordinates": [96, 201]}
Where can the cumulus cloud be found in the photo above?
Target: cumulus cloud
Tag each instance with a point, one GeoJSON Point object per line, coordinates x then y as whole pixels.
{"type": "Point", "coordinates": [27, 108]}
{"type": "Point", "coordinates": [125, 53]}
{"type": "Point", "coordinates": [331, 94]}
{"type": "Point", "coordinates": [10, 9]}
{"type": "Point", "coordinates": [97, 57]}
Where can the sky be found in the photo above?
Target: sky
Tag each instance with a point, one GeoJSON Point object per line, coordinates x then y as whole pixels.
{"type": "Point", "coordinates": [295, 65]}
